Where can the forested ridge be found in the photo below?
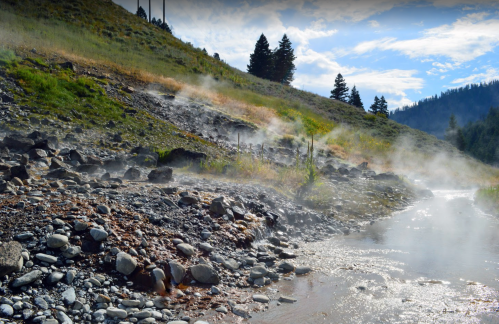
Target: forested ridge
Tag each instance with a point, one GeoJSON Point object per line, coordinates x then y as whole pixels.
{"type": "Point", "coordinates": [469, 103]}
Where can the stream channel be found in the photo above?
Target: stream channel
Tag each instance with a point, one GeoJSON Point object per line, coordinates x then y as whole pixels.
{"type": "Point", "coordinates": [436, 262]}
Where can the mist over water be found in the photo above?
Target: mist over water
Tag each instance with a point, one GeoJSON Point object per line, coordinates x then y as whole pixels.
{"type": "Point", "coordinates": [436, 262]}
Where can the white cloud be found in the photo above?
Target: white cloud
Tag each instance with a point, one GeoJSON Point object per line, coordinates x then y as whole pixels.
{"type": "Point", "coordinates": [464, 40]}
{"type": "Point", "coordinates": [487, 76]}
{"type": "Point", "coordinates": [373, 23]}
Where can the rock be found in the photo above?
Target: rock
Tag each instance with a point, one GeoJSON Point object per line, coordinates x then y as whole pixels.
{"type": "Point", "coordinates": [258, 272]}
{"type": "Point", "coordinates": [78, 156]}
{"type": "Point", "coordinates": [125, 263]}
{"type": "Point", "coordinates": [240, 311]}
{"type": "Point", "coordinates": [62, 173]}
{"type": "Point", "coordinates": [70, 275]}
{"type": "Point", "coordinates": [103, 209]}
{"type": "Point", "coordinates": [27, 278]}
{"type": "Point", "coordinates": [231, 264]}
{"type": "Point", "coordinates": [69, 296]}
{"type": "Point", "coordinates": [146, 160]}
{"type": "Point", "coordinates": [20, 172]}
{"type": "Point", "coordinates": [238, 212]}
{"type": "Point", "coordinates": [10, 253]}
{"type": "Point", "coordinates": [130, 303]}
{"type": "Point", "coordinates": [132, 174]}
{"type": "Point", "coordinates": [204, 273]}
{"type": "Point", "coordinates": [302, 270]}
{"type": "Point", "coordinates": [98, 234]}
{"type": "Point", "coordinates": [188, 200]}
{"type": "Point", "coordinates": [116, 312]}
{"type": "Point", "coordinates": [15, 142]}
{"type": "Point", "coordinates": [287, 299]}
{"type": "Point", "coordinates": [99, 315]}
{"type": "Point", "coordinates": [57, 241]}
{"type": "Point", "coordinates": [41, 303]}
{"type": "Point", "coordinates": [6, 310]}
{"type": "Point", "coordinates": [24, 236]}
{"type": "Point", "coordinates": [46, 258]}
{"type": "Point", "coordinates": [222, 309]}
{"type": "Point", "coordinates": [218, 207]}
{"type": "Point", "coordinates": [88, 168]}
{"type": "Point", "coordinates": [6, 186]}
{"type": "Point", "coordinates": [80, 226]}
{"type": "Point", "coordinates": [63, 318]}
{"type": "Point", "coordinates": [160, 302]}
{"type": "Point", "coordinates": [68, 65]}
{"type": "Point", "coordinates": [186, 249]}
{"type": "Point", "coordinates": [178, 271]}
{"type": "Point", "coordinates": [206, 247]}
{"type": "Point", "coordinates": [37, 154]}
{"type": "Point", "coordinates": [54, 277]}
{"type": "Point", "coordinates": [178, 322]}
{"type": "Point", "coordinates": [158, 276]}
{"type": "Point", "coordinates": [181, 156]}
{"type": "Point", "coordinates": [386, 176]}
{"type": "Point", "coordinates": [72, 252]}
{"type": "Point", "coordinates": [261, 298]}
{"type": "Point", "coordinates": [286, 267]}
{"type": "Point", "coordinates": [205, 234]}
{"type": "Point", "coordinates": [287, 255]}
{"type": "Point", "coordinates": [161, 175]}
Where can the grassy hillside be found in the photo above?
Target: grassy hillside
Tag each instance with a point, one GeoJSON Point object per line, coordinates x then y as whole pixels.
{"type": "Point", "coordinates": [99, 34]}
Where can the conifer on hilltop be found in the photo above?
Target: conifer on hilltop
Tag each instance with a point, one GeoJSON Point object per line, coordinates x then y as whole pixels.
{"type": "Point", "coordinates": [354, 98]}
{"type": "Point", "coordinates": [141, 13]}
{"type": "Point", "coordinates": [283, 67]}
{"type": "Point", "coordinates": [261, 60]}
{"type": "Point", "coordinates": [383, 106]}
{"type": "Point", "coordinates": [375, 106]}
{"type": "Point", "coordinates": [340, 91]}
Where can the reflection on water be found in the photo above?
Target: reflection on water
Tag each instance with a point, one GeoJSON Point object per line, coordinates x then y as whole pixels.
{"type": "Point", "coordinates": [437, 262]}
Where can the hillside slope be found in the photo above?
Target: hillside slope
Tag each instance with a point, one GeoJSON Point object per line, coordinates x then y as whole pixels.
{"type": "Point", "coordinates": [468, 104]}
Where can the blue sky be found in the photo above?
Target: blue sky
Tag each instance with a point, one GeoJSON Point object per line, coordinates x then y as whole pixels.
{"type": "Point", "coordinates": [404, 50]}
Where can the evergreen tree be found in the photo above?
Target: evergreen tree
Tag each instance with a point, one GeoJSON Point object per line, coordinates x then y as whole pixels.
{"type": "Point", "coordinates": [261, 59]}
{"type": "Point", "coordinates": [166, 28]}
{"type": "Point", "coordinates": [383, 106]}
{"type": "Point", "coordinates": [154, 21]}
{"type": "Point", "coordinates": [142, 13]}
{"type": "Point", "coordinates": [340, 91]}
{"type": "Point", "coordinates": [216, 56]}
{"type": "Point", "coordinates": [354, 98]}
{"type": "Point", "coordinates": [454, 134]}
{"type": "Point", "coordinates": [375, 106]}
{"type": "Point", "coordinates": [205, 52]}
{"type": "Point", "coordinates": [283, 68]}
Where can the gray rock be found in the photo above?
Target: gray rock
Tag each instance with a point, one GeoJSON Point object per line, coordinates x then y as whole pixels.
{"type": "Point", "coordinates": [41, 303]}
{"type": "Point", "coordinates": [204, 273]}
{"type": "Point", "coordinates": [231, 264]}
{"type": "Point", "coordinates": [205, 234]}
{"type": "Point", "coordinates": [63, 318]}
{"type": "Point", "coordinates": [27, 278]}
{"type": "Point", "coordinates": [10, 253]}
{"type": "Point", "coordinates": [161, 175]}
{"type": "Point", "coordinates": [261, 298]}
{"type": "Point", "coordinates": [55, 277]}
{"type": "Point", "coordinates": [69, 296]}
{"type": "Point", "coordinates": [24, 236]}
{"type": "Point", "coordinates": [46, 258]}
{"type": "Point", "coordinates": [188, 200]}
{"type": "Point", "coordinates": [57, 240]}
{"type": "Point", "coordinates": [6, 310]}
{"type": "Point", "coordinates": [240, 311]}
{"type": "Point", "coordinates": [132, 174]}
{"type": "Point", "coordinates": [286, 267]}
{"type": "Point", "coordinates": [287, 299]}
{"type": "Point", "coordinates": [222, 309]}
{"type": "Point", "coordinates": [142, 314]}
{"type": "Point", "coordinates": [80, 226]}
{"type": "Point", "coordinates": [130, 303]}
{"type": "Point", "coordinates": [72, 252]}
{"type": "Point", "coordinates": [206, 247]}
{"type": "Point", "coordinates": [116, 312]}
{"type": "Point", "coordinates": [160, 302]}
{"type": "Point", "coordinates": [70, 275]}
{"type": "Point", "coordinates": [103, 209]}
{"type": "Point", "coordinates": [302, 270]}
{"type": "Point", "coordinates": [99, 315]}
{"type": "Point", "coordinates": [20, 172]}
{"type": "Point", "coordinates": [178, 322]}
{"type": "Point", "coordinates": [186, 249]}
{"type": "Point", "coordinates": [217, 207]}
{"type": "Point", "coordinates": [125, 263]}
{"type": "Point", "coordinates": [98, 234]}
{"type": "Point", "coordinates": [178, 271]}
{"type": "Point", "coordinates": [258, 272]}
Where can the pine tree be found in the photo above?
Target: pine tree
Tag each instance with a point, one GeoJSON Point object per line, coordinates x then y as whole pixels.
{"type": "Point", "coordinates": [354, 98]}
{"type": "Point", "coordinates": [375, 106]}
{"type": "Point", "coordinates": [166, 28]}
{"type": "Point", "coordinates": [142, 13]}
{"type": "Point", "coordinates": [154, 21]}
{"type": "Point", "coordinates": [454, 134]}
{"type": "Point", "coordinates": [216, 56]}
{"type": "Point", "coordinates": [205, 52]}
{"type": "Point", "coordinates": [283, 67]}
{"type": "Point", "coordinates": [383, 106]}
{"type": "Point", "coordinates": [340, 91]}
{"type": "Point", "coordinates": [261, 59]}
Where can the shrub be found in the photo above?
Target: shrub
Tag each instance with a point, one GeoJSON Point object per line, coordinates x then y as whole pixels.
{"type": "Point", "coordinates": [370, 117]}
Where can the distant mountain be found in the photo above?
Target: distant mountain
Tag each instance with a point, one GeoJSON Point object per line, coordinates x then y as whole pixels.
{"type": "Point", "coordinates": [469, 103]}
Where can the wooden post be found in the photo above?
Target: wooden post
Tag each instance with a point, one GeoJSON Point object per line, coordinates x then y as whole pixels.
{"type": "Point", "coordinates": [149, 11]}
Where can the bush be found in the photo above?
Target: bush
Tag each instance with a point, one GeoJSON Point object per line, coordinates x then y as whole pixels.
{"type": "Point", "coordinates": [370, 117]}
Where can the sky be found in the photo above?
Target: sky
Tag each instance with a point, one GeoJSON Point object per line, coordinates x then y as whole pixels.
{"type": "Point", "coordinates": [401, 49]}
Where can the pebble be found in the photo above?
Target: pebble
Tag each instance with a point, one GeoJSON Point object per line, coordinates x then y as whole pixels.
{"type": "Point", "coordinates": [125, 263]}
{"type": "Point", "coordinates": [27, 278]}
{"type": "Point", "coordinates": [46, 258]}
{"type": "Point", "coordinates": [6, 310]}
{"type": "Point", "coordinates": [56, 241]}
{"type": "Point", "coordinates": [302, 270]}
{"type": "Point", "coordinates": [261, 298]}
{"type": "Point", "coordinates": [287, 299]}
{"type": "Point", "coordinates": [187, 249]}
{"type": "Point", "coordinates": [116, 312]}
{"type": "Point", "coordinates": [98, 234]}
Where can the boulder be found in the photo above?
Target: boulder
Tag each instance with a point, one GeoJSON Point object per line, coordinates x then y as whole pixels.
{"type": "Point", "coordinates": [62, 173]}
{"type": "Point", "coordinates": [76, 155]}
{"type": "Point", "coordinates": [125, 263]}
{"type": "Point", "coordinates": [55, 163]}
{"type": "Point", "coordinates": [88, 168]}
{"type": "Point", "coordinates": [145, 160]}
{"type": "Point", "coordinates": [178, 271]}
{"type": "Point", "coordinates": [16, 142]}
{"type": "Point", "coordinates": [37, 154]}
{"type": "Point", "coordinates": [132, 174]}
{"type": "Point", "coordinates": [181, 156]}
{"type": "Point", "coordinates": [160, 175]}
{"type": "Point", "coordinates": [98, 234]}
{"type": "Point", "coordinates": [204, 273]}
{"type": "Point", "coordinates": [10, 254]}
{"type": "Point", "coordinates": [20, 172]}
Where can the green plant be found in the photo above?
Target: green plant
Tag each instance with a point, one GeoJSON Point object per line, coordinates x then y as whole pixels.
{"type": "Point", "coordinates": [370, 117]}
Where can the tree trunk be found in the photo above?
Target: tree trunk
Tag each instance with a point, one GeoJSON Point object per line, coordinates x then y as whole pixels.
{"type": "Point", "coordinates": [149, 11]}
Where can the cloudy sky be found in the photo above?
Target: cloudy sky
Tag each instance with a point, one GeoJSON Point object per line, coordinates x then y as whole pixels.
{"type": "Point", "coordinates": [404, 50]}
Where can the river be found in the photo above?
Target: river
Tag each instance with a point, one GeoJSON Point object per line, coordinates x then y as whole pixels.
{"type": "Point", "coordinates": [436, 262]}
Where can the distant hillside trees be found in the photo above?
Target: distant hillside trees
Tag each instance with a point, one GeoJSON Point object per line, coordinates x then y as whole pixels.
{"type": "Point", "coordinates": [354, 98]}
{"type": "Point", "coordinates": [277, 65]}
{"type": "Point", "coordinates": [216, 56]}
{"type": "Point", "coordinates": [468, 103]}
{"type": "Point", "coordinates": [482, 137]}
{"type": "Point", "coordinates": [379, 106]}
{"type": "Point", "coordinates": [156, 22]}
{"type": "Point", "coordinates": [340, 91]}
{"type": "Point", "coordinates": [454, 134]}
{"type": "Point", "coordinates": [141, 13]}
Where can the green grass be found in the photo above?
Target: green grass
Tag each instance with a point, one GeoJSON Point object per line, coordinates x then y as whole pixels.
{"type": "Point", "coordinates": [488, 198]}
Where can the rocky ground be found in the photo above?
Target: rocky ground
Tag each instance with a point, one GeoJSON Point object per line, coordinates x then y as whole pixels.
{"type": "Point", "coordinates": [93, 229]}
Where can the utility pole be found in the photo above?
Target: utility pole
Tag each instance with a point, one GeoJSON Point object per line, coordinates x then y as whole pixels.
{"type": "Point", "coordinates": [149, 11]}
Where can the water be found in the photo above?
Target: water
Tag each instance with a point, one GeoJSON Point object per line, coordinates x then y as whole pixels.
{"type": "Point", "coordinates": [437, 262]}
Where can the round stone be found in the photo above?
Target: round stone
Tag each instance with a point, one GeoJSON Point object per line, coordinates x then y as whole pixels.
{"type": "Point", "coordinates": [125, 263]}
{"type": "Point", "coordinates": [57, 240]}
{"type": "Point", "coordinates": [98, 234]}
{"type": "Point", "coordinates": [186, 249]}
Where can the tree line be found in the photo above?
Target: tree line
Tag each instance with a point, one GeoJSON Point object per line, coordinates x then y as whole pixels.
{"type": "Point", "coordinates": [340, 92]}
{"type": "Point", "coordinates": [156, 22]}
{"type": "Point", "coordinates": [479, 139]}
